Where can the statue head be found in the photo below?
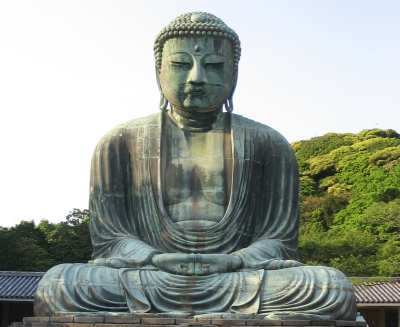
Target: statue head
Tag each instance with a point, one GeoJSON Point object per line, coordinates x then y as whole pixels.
{"type": "Point", "coordinates": [197, 58]}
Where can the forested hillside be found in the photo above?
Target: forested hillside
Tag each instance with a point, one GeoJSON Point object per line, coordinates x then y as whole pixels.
{"type": "Point", "coordinates": [349, 212]}
{"type": "Point", "coordinates": [350, 202]}
{"type": "Point", "coordinates": [27, 247]}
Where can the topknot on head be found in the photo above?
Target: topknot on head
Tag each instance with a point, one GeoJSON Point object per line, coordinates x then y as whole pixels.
{"type": "Point", "coordinates": [197, 24]}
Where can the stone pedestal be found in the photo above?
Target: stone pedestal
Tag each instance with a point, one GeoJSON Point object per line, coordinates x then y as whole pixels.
{"type": "Point", "coordinates": [171, 322]}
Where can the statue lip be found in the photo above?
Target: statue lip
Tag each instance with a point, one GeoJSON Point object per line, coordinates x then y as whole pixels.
{"type": "Point", "coordinates": [194, 91]}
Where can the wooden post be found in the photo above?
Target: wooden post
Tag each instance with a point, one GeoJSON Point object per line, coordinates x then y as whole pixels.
{"type": "Point", "coordinates": [5, 313]}
{"type": "Point", "coordinates": [381, 317]}
{"type": "Point", "coordinates": [398, 316]}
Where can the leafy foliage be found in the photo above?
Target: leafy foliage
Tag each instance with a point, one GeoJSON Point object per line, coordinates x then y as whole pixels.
{"type": "Point", "coordinates": [350, 202]}
{"type": "Point", "coordinates": [37, 248]}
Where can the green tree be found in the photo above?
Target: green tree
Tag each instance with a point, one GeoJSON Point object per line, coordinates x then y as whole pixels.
{"type": "Point", "coordinates": [24, 247]}
{"type": "Point", "coordinates": [350, 201]}
{"type": "Point", "coordinates": [28, 247]}
{"type": "Point", "coordinates": [70, 241]}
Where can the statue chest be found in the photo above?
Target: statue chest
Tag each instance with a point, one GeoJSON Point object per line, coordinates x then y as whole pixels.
{"type": "Point", "coordinates": [196, 173]}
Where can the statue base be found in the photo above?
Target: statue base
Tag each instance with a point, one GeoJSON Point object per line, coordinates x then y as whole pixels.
{"type": "Point", "coordinates": [148, 321]}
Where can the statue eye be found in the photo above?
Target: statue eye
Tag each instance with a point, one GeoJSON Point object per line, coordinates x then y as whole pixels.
{"type": "Point", "coordinates": [214, 65]}
{"type": "Point", "coordinates": [180, 60]}
{"type": "Point", "coordinates": [214, 61]}
{"type": "Point", "coordinates": [180, 64]}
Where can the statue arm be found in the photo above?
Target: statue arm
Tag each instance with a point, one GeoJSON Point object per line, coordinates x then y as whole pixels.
{"type": "Point", "coordinates": [112, 227]}
{"type": "Point", "coordinates": [265, 254]}
{"type": "Point", "coordinates": [275, 241]}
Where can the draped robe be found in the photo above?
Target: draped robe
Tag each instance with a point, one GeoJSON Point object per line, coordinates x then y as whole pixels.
{"type": "Point", "coordinates": [128, 220]}
{"type": "Point", "coordinates": [127, 214]}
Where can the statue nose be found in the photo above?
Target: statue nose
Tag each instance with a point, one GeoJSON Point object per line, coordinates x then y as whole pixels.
{"type": "Point", "coordinates": [196, 75]}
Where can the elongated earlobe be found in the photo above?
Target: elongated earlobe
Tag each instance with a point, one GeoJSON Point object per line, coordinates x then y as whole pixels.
{"type": "Point", "coordinates": [163, 102]}
{"type": "Point", "coordinates": [228, 105]}
{"type": "Point", "coordinates": [229, 102]}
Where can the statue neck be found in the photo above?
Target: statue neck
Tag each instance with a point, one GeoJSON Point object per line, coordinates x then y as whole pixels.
{"type": "Point", "coordinates": [195, 121]}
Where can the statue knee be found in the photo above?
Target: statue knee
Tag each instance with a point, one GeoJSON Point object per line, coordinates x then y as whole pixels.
{"type": "Point", "coordinates": [336, 276]}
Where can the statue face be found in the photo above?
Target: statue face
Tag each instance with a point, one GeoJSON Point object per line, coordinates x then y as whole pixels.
{"type": "Point", "coordinates": [197, 73]}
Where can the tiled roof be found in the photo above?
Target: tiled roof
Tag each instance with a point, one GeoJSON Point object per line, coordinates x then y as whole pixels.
{"type": "Point", "coordinates": [18, 284]}
{"type": "Point", "coordinates": [378, 291]}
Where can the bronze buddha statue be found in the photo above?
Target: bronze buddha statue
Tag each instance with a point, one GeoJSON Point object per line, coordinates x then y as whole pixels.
{"type": "Point", "coordinates": [193, 210]}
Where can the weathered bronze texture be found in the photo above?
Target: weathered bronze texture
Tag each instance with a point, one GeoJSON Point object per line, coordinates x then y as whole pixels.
{"type": "Point", "coordinates": [194, 211]}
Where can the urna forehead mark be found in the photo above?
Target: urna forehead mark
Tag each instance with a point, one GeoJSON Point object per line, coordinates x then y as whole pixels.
{"type": "Point", "coordinates": [198, 46]}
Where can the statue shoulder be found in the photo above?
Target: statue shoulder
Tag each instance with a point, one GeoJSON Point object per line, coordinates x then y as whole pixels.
{"type": "Point", "coordinates": [259, 130]}
{"type": "Point", "coordinates": [130, 128]}
{"type": "Point", "coordinates": [134, 125]}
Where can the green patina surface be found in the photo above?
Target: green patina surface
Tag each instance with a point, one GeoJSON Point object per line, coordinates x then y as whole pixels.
{"type": "Point", "coordinates": [194, 212]}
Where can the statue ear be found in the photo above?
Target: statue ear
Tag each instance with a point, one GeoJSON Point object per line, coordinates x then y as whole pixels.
{"type": "Point", "coordinates": [163, 100]}
{"type": "Point", "coordinates": [234, 85]}
{"type": "Point", "coordinates": [229, 102]}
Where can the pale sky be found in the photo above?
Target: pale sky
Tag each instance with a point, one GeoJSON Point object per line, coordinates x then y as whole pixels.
{"type": "Point", "coordinates": [70, 70]}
